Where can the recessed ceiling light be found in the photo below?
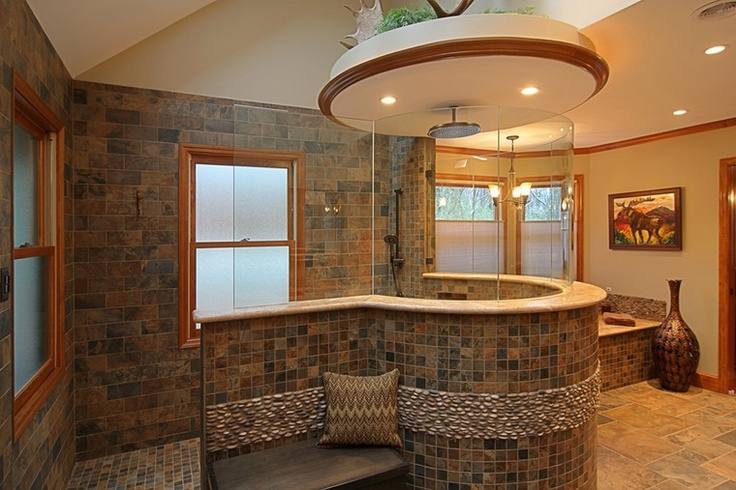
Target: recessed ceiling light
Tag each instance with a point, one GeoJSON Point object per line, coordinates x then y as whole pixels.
{"type": "Point", "coordinates": [715, 49]}
{"type": "Point", "coordinates": [529, 91]}
{"type": "Point", "coordinates": [388, 100]}
{"type": "Point", "coordinates": [679, 112]}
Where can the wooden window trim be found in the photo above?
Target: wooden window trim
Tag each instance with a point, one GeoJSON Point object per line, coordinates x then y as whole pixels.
{"type": "Point", "coordinates": [188, 156]}
{"type": "Point", "coordinates": [31, 112]}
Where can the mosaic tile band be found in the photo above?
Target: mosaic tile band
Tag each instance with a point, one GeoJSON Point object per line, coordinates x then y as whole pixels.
{"type": "Point", "coordinates": [453, 415]}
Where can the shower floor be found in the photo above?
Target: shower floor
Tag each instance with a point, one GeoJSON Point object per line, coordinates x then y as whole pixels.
{"type": "Point", "coordinates": [171, 466]}
{"type": "Point", "coordinates": [647, 439]}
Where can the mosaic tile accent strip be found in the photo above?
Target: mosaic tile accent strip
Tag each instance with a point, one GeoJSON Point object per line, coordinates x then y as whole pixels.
{"type": "Point", "coordinates": [644, 308]}
{"type": "Point", "coordinates": [626, 358]}
{"type": "Point", "coordinates": [499, 416]}
{"type": "Point", "coordinates": [281, 416]}
{"type": "Point", "coordinates": [173, 465]}
{"type": "Point", "coordinates": [231, 426]}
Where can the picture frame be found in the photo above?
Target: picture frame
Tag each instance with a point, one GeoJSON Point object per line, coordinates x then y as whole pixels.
{"type": "Point", "coordinates": [645, 220]}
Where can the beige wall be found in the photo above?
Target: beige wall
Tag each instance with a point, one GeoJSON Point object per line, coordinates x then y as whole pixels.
{"type": "Point", "coordinates": [278, 51]}
{"type": "Point", "coordinates": [240, 49]}
{"type": "Point", "coordinates": [692, 163]}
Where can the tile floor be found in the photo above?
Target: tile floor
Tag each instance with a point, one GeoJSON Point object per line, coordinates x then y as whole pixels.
{"type": "Point", "coordinates": [647, 439]}
{"type": "Point", "coordinates": [172, 466]}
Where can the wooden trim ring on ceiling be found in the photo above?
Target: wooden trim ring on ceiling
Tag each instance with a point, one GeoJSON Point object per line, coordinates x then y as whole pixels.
{"type": "Point", "coordinates": [568, 53]}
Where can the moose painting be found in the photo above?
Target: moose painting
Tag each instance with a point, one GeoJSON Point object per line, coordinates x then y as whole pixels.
{"type": "Point", "coordinates": [645, 220]}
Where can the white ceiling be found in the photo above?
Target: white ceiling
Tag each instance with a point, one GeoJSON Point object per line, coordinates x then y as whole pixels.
{"type": "Point", "coordinates": [655, 51]}
{"type": "Point", "coordinates": [87, 32]}
{"type": "Point", "coordinates": [654, 48]}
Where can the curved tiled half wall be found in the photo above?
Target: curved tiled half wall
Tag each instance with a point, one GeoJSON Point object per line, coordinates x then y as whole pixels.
{"type": "Point", "coordinates": [487, 399]}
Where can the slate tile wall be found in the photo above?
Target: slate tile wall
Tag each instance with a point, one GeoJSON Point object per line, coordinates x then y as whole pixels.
{"type": "Point", "coordinates": [410, 158]}
{"type": "Point", "coordinates": [134, 386]}
{"type": "Point", "coordinates": [43, 456]}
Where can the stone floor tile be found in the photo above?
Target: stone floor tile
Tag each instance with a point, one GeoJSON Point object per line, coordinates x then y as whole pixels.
{"type": "Point", "coordinates": [723, 465]}
{"type": "Point", "coordinates": [728, 437]}
{"type": "Point", "coordinates": [633, 443]}
{"type": "Point", "coordinates": [617, 472]}
{"type": "Point", "coordinates": [729, 485]}
{"type": "Point", "coordinates": [647, 420]}
{"type": "Point", "coordinates": [679, 468]}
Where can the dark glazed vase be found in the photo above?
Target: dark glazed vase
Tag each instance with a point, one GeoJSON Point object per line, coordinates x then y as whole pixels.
{"type": "Point", "coordinates": [675, 347]}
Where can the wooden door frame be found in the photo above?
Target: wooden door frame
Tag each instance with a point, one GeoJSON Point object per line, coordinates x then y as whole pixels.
{"type": "Point", "coordinates": [726, 283]}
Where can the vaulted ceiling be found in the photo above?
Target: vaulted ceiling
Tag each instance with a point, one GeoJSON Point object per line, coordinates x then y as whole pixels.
{"type": "Point", "coordinates": [281, 51]}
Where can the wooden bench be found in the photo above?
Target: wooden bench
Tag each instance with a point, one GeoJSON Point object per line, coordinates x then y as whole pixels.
{"type": "Point", "coordinates": [305, 466]}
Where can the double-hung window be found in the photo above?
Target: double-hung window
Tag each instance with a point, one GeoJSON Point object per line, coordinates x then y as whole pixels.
{"type": "Point", "coordinates": [239, 231]}
{"type": "Point", "coordinates": [37, 265]}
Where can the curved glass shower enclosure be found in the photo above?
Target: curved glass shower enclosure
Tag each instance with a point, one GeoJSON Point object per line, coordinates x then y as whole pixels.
{"type": "Point", "coordinates": [480, 212]}
{"type": "Point", "coordinates": [304, 207]}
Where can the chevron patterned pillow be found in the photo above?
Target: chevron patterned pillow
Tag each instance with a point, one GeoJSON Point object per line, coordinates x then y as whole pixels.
{"type": "Point", "coordinates": [361, 410]}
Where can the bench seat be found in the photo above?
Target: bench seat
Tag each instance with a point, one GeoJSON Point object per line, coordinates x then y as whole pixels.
{"type": "Point", "coordinates": [305, 466]}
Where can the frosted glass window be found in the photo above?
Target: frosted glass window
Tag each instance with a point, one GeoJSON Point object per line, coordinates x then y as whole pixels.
{"type": "Point", "coordinates": [214, 279]}
{"type": "Point", "coordinates": [541, 248]}
{"type": "Point", "coordinates": [25, 194]}
{"type": "Point", "coordinates": [214, 202]}
{"type": "Point", "coordinates": [261, 203]}
{"type": "Point", "coordinates": [261, 276]}
{"type": "Point", "coordinates": [466, 246]}
{"type": "Point", "coordinates": [31, 320]}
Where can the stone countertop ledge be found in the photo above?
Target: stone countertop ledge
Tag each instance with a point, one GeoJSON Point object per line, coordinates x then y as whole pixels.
{"type": "Point", "coordinates": [573, 296]}
{"type": "Point", "coordinates": [605, 330]}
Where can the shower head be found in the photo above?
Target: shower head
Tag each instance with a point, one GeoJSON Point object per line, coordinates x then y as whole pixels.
{"type": "Point", "coordinates": [454, 129]}
{"type": "Point", "coordinates": [391, 239]}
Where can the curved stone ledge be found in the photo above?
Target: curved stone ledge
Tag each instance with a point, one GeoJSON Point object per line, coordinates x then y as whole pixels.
{"type": "Point", "coordinates": [576, 295]}
{"type": "Point", "coordinates": [452, 415]}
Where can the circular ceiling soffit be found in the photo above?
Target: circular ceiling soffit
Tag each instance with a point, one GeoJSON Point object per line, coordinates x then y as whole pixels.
{"type": "Point", "coordinates": [454, 61]}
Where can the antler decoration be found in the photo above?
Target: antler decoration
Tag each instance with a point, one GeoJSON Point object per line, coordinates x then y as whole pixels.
{"type": "Point", "coordinates": [461, 7]}
{"type": "Point", "coordinates": [367, 20]}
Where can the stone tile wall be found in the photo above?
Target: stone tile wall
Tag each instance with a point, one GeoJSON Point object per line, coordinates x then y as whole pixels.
{"type": "Point", "coordinates": [253, 358]}
{"type": "Point", "coordinates": [488, 353]}
{"type": "Point", "coordinates": [477, 290]}
{"type": "Point", "coordinates": [410, 158]}
{"type": "Point", "coordinates": [43, 456]}
{"type": "Point", "coordinates": [134, 387]}
{"type": "Point", "coordinates": [626, 358]}
{"type": "Point", "coordinates": [645, 308]}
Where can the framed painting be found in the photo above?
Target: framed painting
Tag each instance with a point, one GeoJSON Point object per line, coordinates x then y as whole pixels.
{"type": "Point", "coordinates": [645, 220]}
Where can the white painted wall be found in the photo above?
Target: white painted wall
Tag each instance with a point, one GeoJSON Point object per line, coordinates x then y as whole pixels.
{"type": "Point", "coordinates": [240, 49]}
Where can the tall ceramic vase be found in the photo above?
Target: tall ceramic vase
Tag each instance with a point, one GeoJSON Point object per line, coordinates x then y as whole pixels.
{"type": "Point", "coordinates": [675, 347]}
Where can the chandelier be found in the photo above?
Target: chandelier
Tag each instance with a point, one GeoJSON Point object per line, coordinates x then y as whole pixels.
{"type": "Point", "coordinates": [519, 194]}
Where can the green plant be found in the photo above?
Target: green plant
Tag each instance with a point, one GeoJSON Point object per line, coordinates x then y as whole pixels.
{"type": "Point", "coordinates": [528, 10]}
{"type": "Point", "coordinates": [400, 17]}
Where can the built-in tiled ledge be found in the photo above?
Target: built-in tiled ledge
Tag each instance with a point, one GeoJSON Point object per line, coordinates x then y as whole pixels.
{"type": "Point", "coordinates": [605, 330]}
{"type": "Point", "coordinates": [573, 296]}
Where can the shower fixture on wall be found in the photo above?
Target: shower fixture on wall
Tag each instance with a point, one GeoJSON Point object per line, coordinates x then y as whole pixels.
{"type": "Point", "coordinates": [519, 194]}
{"type": "Point", "coordinates": [454, 129]}
{"type": "Point", "coordinates": [396, 261]}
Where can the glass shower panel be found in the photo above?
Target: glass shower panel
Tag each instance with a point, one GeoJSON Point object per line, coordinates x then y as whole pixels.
{"type": "Point", "coordinates": [261, 203]}
{"type": "Point", "coordinates": [262, 276]}
{"type": "Point", "coordinates": [214, 203]}
{"type": "Point", "coordinates": [30, 317]}
{"type": "Point", "coordinates": [25, 193]}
